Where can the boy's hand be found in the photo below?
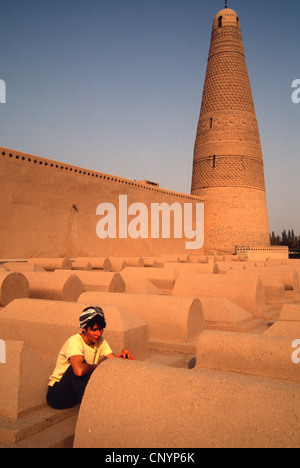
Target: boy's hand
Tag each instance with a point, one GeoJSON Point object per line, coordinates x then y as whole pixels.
{"type": "Point", "coordinates": [126, 354]}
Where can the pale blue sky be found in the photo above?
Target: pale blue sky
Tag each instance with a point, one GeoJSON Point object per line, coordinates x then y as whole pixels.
{"type": "Point", "coordinates": [116, 86]}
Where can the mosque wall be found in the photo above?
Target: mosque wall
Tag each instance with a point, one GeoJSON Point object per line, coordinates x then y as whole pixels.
{"type": "Point", "coordinates": [49, 209]}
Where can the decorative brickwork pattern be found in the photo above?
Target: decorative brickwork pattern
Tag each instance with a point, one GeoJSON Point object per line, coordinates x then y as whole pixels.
{"type": "Point", "coordinates": [226, 38]}
{"type": "Point", "coordinates": [222, 128]}
{"type": "Point", "coordinates": [228, 172]}
{"type": "Point", "coordinates": [227, 84]}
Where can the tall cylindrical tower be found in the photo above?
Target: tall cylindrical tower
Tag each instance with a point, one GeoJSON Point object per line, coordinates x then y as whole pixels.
{"type": "Point", "coordinates": [228, 172]}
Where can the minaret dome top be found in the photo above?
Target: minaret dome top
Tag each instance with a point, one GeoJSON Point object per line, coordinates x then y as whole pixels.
{"type": "Point", "coordinates": [226, 17]}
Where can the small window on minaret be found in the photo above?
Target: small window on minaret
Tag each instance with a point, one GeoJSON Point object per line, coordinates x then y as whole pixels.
{"type": "Point", "coordinates": [220, 21]}
{"type": "Point", "coordinates": [211, 123]}
{"type": "Point", "coordinates": [214, 161]}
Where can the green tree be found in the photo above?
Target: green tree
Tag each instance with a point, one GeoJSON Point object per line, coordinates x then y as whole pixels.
{"type": "Point", "coordinates": [284, 238]}
{"type": "Point", "coordinates": [288, 238]}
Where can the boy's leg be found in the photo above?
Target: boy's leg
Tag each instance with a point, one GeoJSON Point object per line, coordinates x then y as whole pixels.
{"type": "Point", "coordinates": [63, 395]}
{"type": "Point", "coordinates": [69, 391]}
{"type": "Point", "coordinates": [79, 385]}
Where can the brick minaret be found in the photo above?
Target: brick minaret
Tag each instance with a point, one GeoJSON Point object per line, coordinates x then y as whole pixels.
{"type": "Point", "coordinates": [228, 172]}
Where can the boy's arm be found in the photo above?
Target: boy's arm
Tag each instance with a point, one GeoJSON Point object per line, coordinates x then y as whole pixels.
{"type": "Point", "coordinates": [80, 367]}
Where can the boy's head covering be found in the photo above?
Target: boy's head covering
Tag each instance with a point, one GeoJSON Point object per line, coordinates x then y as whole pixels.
{"type": "Point", "coordinates": [88, 314]}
